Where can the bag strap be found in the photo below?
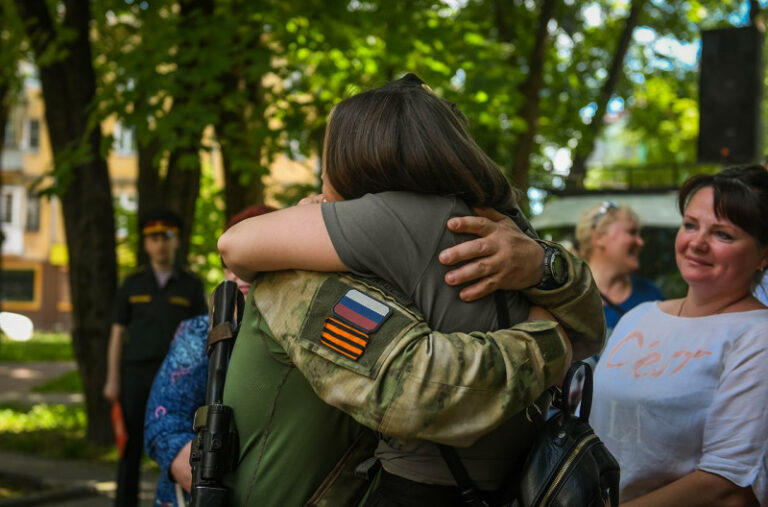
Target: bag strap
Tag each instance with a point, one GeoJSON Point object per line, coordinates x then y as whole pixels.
{"type": "Point", "coordinates": [586, 390]}
{"type": "Point", "coordinates": [469, 492]}
{"type": "Point", "coordinates": [502, 310]}
{"type": "Point", "coordinates": [613, 305]}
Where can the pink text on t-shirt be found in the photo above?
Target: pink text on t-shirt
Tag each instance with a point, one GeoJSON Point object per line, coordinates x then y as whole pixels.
{"type": "Point", "coordinates": [641, 366]}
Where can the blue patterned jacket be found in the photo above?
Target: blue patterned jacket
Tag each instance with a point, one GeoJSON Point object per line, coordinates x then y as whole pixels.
{"type": "Point", "coordinates": [177, 391]}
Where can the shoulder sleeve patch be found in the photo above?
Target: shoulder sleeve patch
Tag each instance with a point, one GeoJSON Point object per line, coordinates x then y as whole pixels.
{"type": "Point", "coordinates": [362, 311]}
{"type": "Point", "coordinates": [344, 339]}
{"type": "Point", "coordinates": [351, 327]}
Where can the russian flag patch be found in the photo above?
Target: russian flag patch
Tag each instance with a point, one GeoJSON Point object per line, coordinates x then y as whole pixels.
{"type": "Point", "coordinates": [362, 311]}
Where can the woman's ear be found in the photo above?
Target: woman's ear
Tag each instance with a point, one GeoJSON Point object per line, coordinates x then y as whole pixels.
{"type": "Point", "coordinates": [598, 239]}
{"type": "Point", "coordinates": [764, 261]}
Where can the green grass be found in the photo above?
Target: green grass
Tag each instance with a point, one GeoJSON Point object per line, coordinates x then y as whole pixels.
{"type": "Point", "coordinates": [41, 347]}
{"type": "Point", "coordinates": [68, 383]}
{"type": "Point", "coordinates": [53, 431]}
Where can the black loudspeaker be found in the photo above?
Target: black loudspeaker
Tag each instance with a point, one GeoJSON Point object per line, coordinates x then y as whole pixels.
{"type": "Point", "coordinates": [730, 89]}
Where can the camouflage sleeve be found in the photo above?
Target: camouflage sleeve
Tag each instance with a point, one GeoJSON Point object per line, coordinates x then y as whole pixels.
{"type": "Point", "coordinates": [448, 388]}
{"type": "Point", "coordinates": [577, 306]}
{"type": "Point", "coordinates": [411, 381]}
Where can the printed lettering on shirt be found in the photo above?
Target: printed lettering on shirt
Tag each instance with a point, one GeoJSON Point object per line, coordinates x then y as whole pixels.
{"type": "Point", "coordinates": [627, 351]}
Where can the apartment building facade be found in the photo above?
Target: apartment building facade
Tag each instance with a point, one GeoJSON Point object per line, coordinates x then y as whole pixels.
{"type": "Point", "coordinates": [35, 278]}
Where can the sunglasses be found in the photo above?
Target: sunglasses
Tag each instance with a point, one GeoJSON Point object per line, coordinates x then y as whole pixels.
{"type": "Point", "coordinates": [605, 208]}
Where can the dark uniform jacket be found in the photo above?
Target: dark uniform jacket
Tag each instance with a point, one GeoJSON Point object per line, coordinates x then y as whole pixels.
{"type": "Point", "coordinates": [151, 314]}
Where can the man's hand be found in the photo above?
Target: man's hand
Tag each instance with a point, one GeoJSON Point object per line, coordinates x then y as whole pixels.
{"type": "Point", "coordinates": [181, 470]}
{"type": "Point", "coordinates": [111, 390]}
{"type": "Point", "coordinates": [503, 257]}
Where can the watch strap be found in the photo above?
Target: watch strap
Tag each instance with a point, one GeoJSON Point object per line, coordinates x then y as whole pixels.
{"type": "Point", "coordinates": [548, 279]}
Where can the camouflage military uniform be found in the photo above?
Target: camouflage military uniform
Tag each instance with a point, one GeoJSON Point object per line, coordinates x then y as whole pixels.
{"type": "Point", "coordinates": [404, 380]}
{"type": "Point", "coordinates": [453, 388]}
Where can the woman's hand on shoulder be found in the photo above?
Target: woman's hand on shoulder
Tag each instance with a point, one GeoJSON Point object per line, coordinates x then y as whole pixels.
{"type": "Point", "coordinates": [312, 199]}
{"type": "Point", "coordinates": [503, 257]}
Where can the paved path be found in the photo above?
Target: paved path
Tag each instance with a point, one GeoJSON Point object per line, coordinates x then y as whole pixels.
{"type": "Point", "coordinates": [72, 483]}
{"type": "Point", "coordinates": [16, 380]}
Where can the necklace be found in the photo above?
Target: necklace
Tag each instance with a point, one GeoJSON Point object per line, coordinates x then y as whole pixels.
{"type": "Point", "coordinates": [719, 310]}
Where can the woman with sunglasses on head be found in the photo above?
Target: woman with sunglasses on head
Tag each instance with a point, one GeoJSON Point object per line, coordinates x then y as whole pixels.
{"type": "Point", "coordinates": [398, 164]}
{"type": "Point", "coordinates": [608, 239]}
{"type": "Point", "coordinates": [680, 390]}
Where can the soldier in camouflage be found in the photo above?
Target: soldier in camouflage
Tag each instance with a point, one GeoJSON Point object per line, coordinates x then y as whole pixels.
{"type": "Point", "coordinates": [366, 351]}
{"type": "Point", "coordinates": [410, 382]}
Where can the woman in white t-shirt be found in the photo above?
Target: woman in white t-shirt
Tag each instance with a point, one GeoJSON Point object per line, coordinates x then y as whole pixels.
{"type": "Point", "coordinates": [681, 397]}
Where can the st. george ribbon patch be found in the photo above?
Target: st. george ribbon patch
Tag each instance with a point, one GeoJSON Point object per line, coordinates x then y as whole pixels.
{"type": "Point", "coordinates": [362, 311]}
{"type": "Point", "coordinates": [343, 338]}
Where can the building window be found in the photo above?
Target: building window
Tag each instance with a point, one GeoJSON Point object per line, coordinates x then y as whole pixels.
{"type": "Point", "coordinates": [125, 139]}
{"type": "Point", "coordinates": [6, 208]}
{"type": "Point", "coordinates": [33, 141]}
{"type": "Point", "coordinates": [10, 134]}
{"type": "Point", "coordinates": [33, 213]}
{"type": "Point", "coordinates": [19, 285]}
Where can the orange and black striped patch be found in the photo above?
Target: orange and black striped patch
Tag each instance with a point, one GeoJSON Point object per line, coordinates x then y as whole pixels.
{"type": "Point", "coordinates": [343, 338]}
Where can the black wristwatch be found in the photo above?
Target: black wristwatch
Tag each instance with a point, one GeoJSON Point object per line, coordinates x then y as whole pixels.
{"type": "Point", "coordinates": [555, 269]}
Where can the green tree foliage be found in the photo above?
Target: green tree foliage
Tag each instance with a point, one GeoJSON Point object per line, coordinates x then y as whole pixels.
{"type": "Point", "coordinates": [258, 79]}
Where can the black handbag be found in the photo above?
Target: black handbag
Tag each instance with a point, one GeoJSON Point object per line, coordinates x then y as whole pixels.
{"type": "Point", "coordinates": [567, 465]}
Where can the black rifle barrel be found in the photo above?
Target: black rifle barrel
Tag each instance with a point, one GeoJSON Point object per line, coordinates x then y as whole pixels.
{"type": "Point", "coordinates": [214, 447]}
{"type": "Point", "coordinates": [225, 305]}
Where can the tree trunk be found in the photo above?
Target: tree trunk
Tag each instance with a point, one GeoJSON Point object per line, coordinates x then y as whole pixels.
{"type": "Point", "coordinates": [180, 190]}
{"type": "Point", "coordinates": [531, 91]}
{"type": "Point", "coordinates": [147, 185]}
{"type": "Point", "coordinates": [586, 145]}
{"type": "Point", "coordinates": [181, 185]}
{"type": "Point", "coordinates": [239, 195]}
{"type": "Point", "coordinates": [241, 147]}
{"type": "Point", "coordinates": [68, 90]}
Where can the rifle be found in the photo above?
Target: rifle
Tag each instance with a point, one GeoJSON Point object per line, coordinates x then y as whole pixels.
{"type": "Point", "coordinates": [214, 449]}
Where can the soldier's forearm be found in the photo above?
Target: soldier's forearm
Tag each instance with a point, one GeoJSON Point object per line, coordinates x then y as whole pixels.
{"type": "Point", "coordinates": [577, 306]}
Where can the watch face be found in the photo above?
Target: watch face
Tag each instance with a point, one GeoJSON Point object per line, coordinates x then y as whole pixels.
{"type": "Point", "coordinates": [558, 268]}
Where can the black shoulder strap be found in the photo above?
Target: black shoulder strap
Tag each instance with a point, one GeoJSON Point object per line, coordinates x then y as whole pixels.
{"type": "Point", "coordinates": [613, 305]}
{"type": "Point", "coordinates": [469, 492]}
{"type": "Point", "coordinates": [502, 310]}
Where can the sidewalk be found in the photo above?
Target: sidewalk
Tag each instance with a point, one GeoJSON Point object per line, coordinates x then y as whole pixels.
{"type": "Point", "coordinates": [61, 483]}
{"type": "Point", "coordinates": [72, 483]}
{"type": "Point", "coordinates": [16, 380]}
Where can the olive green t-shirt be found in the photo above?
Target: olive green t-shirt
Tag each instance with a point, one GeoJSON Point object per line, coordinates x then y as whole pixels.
{"type": "Point", "coordinates": [397, 236]}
